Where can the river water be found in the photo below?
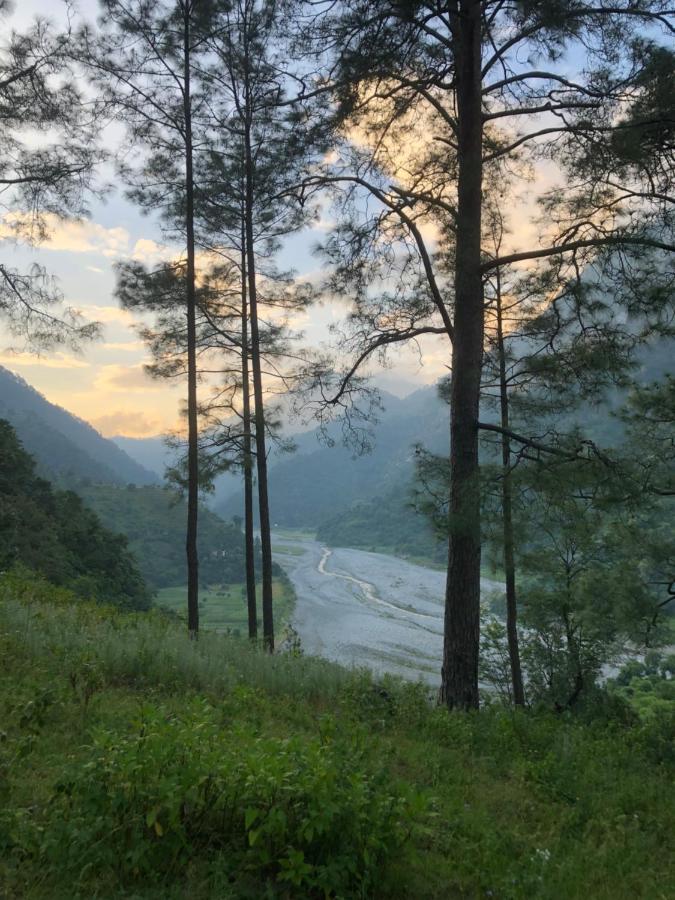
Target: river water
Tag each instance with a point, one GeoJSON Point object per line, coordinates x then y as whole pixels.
{"type": "Point", "coordinates": [368, 609]}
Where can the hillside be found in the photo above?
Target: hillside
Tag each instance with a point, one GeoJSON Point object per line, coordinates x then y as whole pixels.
{"type": "Point", "coordinates": [66, 448]}
{"type": "Point", "coordinates": [138, 763]}
{"type": "Point", "coordinates": [52, 532]}
{"type": "Point", "coordinates": [302, 494]}
{"type": "Point", "coordinates": [386, 524]}
{"type": "Point", "coordinates": [152, 453]}
{"type": "Point", "coordinates": [153, 519]}
{"type": "Point", "coordinates": [364, 502]}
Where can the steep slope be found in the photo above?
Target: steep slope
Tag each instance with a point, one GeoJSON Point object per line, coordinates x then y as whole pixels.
{"type": "Point", "coordinates": [153, 454]}
{"type": "Point", "coordinates": [65, 447]}
{"type": "Point", "coordinates": [153, 520]}
{"type": "Point", "coordinates": [52, 532]}
{"type": "Point", "coordinates": [319, 481]}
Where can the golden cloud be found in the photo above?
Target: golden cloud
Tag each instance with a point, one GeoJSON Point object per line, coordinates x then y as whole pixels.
{"type": "Point", "coordinates": [56, 360]}
{"type": "Point", "coordinates": [70, 235]}
{"type": "Point", "coordinates": [128, 423]}
{"type": "Point", "coordinates": [118, 379]}
{"type": "Point", "coordinates": [108, 314]}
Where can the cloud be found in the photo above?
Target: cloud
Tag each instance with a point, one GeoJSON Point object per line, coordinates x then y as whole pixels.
{"type": "Point", "coordinates": [126, 346]}
{"type": "Point", "coordinates": [54, 361]}
{"type": "Point", "coordinates": [128, 423]}
{"type": "Point", "coordinates": [71, 235]}
{"type": "Point", "coordinates": [150, 252]}
{"type": "Point", "coordinates": [108, 314]}
{"type": "Point", "coordinates": [125, 379]}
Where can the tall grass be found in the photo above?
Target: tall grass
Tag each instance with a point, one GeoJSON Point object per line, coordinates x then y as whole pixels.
{"type": "Point", "coordinates": [151, 649]}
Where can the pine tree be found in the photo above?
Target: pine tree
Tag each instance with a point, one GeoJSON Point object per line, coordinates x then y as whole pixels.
{"type": "Point", "coordinates": [455, 72]}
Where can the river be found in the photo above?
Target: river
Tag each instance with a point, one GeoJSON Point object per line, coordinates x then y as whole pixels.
{"type": "Point", "coordinates": [367, 609]}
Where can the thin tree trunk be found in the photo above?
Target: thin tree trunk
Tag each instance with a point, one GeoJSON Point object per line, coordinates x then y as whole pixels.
{"type": "Point", "coordinates": [193, 459]}
{"type": "Point", "coordinates": [459, 676]}
{"type": "Point", "coordinates": [249, 540]}
{"type": "Point", "coordinates": [259, 412]}
{"type": "Point", "coordinates": [507, 516]}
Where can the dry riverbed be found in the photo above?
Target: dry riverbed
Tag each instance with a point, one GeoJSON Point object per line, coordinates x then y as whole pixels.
{"type": "Point", "coordinates": [367, 609]}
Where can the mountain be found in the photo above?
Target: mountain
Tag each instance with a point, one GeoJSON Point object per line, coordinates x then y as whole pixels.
{"type": "Point", "coordinates": [52, 532]}
{"type": "Point", "coordinates": [66, 449]}
{"type": "Point", "coordinates": [318, 481]}
{"type": "Point", "coordinates": [364, 501]}
{"type": "Point", "coordinates": [152, 453]}
{"type": "Point", "coordinates": [153, 519]}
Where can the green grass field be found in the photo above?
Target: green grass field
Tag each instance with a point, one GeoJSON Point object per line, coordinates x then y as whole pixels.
{"type": "Point", "coordinates": [136, 763]}
{"type": "Point", "coordinates": [224, 608]}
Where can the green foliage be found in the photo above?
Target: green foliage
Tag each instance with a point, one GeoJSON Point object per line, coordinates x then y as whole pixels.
{"type": "Point", "coordinates": [386, 523]}
{"type": "Point", "coordinates": [153, 519]}
{"type": "Point", "coordinates": [134, 763]}
{"type": "Point", "coordinates": [314, 814]}
{"type": "Point", "coordinates": [52, 532]}
{"type": "Point", "coordinates": [648, 685]}
{"type": "Point", "coordinates": [224, 607]}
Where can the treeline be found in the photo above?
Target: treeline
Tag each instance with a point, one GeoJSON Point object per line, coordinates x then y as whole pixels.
{"type": "Point", "coordinates": [153, 519]}
{"type": "Point", "coordinates": [52, 532]}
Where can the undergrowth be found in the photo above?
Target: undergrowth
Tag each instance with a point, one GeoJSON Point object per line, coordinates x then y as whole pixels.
{"type": "Point", "coordinates": [136, 763]}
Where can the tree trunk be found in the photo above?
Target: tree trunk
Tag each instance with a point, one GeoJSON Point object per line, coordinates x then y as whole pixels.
{"type": "Point", "coordinates": [249, 540]}
{"type": "Point", "coordinates": [193, 459]}
{"type": "Point", "coordinates": [507, 516]}
{"type": "Point", "coordinates": [259, 412]}
{"type": "Point", "coordinates": [459, 676]}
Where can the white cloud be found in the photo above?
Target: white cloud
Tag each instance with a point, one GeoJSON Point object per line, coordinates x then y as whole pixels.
{"type": "Point", "coordinates": [107, 314]}
{"type": "Point", "coordinates": [54, 361]}
{"type": "Point", "coordinates": [150, 252]}
{"type": "Point", "coordinates": [126, 346]}
{"type": "Point", "coordinates": [72, 235]}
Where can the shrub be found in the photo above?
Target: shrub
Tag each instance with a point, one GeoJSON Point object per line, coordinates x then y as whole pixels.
{"type": "Point", "coordinates": [317, 814]}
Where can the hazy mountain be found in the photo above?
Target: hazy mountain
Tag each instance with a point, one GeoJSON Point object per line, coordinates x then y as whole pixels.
{"type": "Point", "coordinates": [66, 448]}
{"type": "Point", "coordinates": [318, 481]}
{"type": "Point", "coordinates": [364, 501]}
{"type": "Point", "coordinates": [153, 454]}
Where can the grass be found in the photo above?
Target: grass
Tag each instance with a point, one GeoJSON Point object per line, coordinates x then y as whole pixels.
{"type": "Point", "coordinates": [223, 608]}
{"type": "Point", "coordinates": [527, 805]}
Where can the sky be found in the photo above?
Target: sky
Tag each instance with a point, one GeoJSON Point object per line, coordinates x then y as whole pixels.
{"type": "Point", "coordinates": [106, 383]}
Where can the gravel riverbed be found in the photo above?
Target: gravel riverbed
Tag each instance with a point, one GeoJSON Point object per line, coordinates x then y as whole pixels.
{"type": "Point", "coordinates": [368, 609]}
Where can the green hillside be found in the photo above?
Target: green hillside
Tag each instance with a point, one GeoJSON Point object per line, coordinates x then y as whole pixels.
{"type": "Point", "coordinates": [386, 524]}
{"type": "Point", "coordinates": [137, 763]}
{"type": "Point", "coordinates": [153, 519]}
{"type": "Point", "coordinates": [55, 534]}
{"type": "Point", "coordinates": [66, 449]}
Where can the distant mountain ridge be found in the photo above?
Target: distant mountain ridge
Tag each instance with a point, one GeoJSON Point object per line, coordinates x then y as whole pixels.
{"type": "Point", "coordinates": [365, 501]}
{"type": "Point", "coordinates": [320, 481]}
{"type": "Point", "coordinates": [66, 448]}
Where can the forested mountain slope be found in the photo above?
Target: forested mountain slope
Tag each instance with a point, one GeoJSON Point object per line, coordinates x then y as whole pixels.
{"type": "Point", "coordinates": [318, 481]}
{"type": "Point", "coordinates": [52, 532]}
{"type": "Point", "coordinates": [365, 501]}
{"type": "Point", "coordinates": [153, 519]}
{"type": "Point", "coordinates": [65, 447]}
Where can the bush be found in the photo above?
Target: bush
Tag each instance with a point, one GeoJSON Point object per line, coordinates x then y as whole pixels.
{"type": "Point", "coordinates": [317, 815]}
